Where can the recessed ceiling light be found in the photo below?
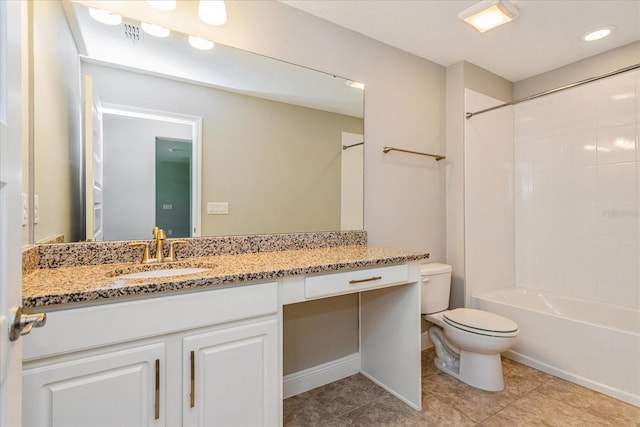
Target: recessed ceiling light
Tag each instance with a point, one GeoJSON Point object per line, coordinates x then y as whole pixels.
{"type": "Point", "coordinates": [598, 33]}
{"type": "Point", "coordinates": [105, 17]}
{"type": "Point", "coordinates": [488, 14]}
{"type": "Point", "coordinates": [200, 43]}
{"type": "Point", "coordinates": [165, 5]}
{"type": "Point", "coordinates": [155, 30]}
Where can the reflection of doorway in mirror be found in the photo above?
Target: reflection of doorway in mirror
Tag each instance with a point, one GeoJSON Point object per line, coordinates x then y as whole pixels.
{"type": "Point", "coordinates": [130, 178]}
{"type": "Point", "coordinates": [352, 182]}
{"type": "Point", "coordinates": [173, 186]}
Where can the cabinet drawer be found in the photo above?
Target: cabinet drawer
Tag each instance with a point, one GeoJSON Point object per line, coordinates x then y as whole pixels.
{"type": "Point", "coordinates": [354, 281]}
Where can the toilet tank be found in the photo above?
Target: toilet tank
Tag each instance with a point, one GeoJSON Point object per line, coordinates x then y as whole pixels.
{"type": "Point", "coordinates": [436, 286]}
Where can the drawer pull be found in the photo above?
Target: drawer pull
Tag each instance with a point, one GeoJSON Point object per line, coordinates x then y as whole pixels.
{"type": "Point", "coordinates": [370, 279]}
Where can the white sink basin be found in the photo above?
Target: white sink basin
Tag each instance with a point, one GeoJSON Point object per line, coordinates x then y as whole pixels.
{"type": "Point", "coordinates": [167, 272]}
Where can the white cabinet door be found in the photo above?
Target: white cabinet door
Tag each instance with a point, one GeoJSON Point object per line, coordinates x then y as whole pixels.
{"type": "Point", "coordinates": [119, 388]}
{"type": "Point", "coordinates": [231, 376]}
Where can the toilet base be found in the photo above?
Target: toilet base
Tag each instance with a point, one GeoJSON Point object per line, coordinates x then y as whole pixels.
{"type": "Point", "coordinates": [483, 371]}
{"type": "Point", "coordinates": [480, 370]}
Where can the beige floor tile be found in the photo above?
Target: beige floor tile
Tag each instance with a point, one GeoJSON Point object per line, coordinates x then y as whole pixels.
{"type": "Point", "coordinates": [303, 411]}
{"type": "Point", "coordinates": [536, 409]}
{"type": "Point", "coordinates": [386, 411]}
{"type": "Point", "coordinates": [592, 402]}
{"type": "Point", "coordinates": [476, 404]}
{"type": "Point", "coordinates": [520, 379]}
{"type": "Point", "coordinates": [530, 398]}
{"type": "Point", "coordinates": [437, 413]}
{"type": "Point", "coordinates": [347, 394]}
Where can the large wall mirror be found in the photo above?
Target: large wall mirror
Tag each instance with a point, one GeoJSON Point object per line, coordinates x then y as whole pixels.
{"type": "Point", "coordinates": [131, 130]}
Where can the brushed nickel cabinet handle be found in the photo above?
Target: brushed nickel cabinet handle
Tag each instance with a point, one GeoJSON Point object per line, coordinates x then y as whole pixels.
{"type": "Point", "coordinates": [157, 389]}
{"type": "Point", "coordinates": [193, 379]}
{"type": "Point", "coordinates": [370, 279]}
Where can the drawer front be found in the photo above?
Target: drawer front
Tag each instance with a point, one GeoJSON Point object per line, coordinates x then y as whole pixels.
{"type": "Point", "coordinates": [354, 281]}
{"type": "Point", "coordinates": [82, 328]}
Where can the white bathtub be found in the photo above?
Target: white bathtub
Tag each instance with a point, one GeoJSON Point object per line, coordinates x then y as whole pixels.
{"type": "Point", "coordinates": [585, 342]}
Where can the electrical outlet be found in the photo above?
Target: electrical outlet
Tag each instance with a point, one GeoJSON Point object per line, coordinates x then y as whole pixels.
{"type": "Point", "coordinates": [217, 208]}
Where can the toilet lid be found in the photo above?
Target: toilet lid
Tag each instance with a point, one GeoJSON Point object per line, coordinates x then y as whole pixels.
{"type": "Point", "coordinates": [480, 321]}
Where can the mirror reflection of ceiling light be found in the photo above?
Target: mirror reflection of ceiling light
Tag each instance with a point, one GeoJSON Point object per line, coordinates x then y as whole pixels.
{"type": "Point", "coordinates": [105, 17]}
{"type": "Point", "coordinates": [155, 30]}
{"type": "Point", "coordinates": [213, 12]}
{"type": "Point", "coordinates": [353, 84]}
{"type": "Point", "coordinates": [488, 14]}
{"type": "Point", "coordinates": [200, 43]}
{"type": "Point", "coordinates": [165, 5]}
{"type": "Point", "coordinates": [598, 33]}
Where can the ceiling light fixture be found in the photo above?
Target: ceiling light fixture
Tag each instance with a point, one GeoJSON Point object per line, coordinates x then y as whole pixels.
{"type": "Point", "coordinates": [200, 43]}
{"type": "Point", "coordinates": [105, 17]}
{"type": "Point", "coordinates": [155, 30]}
{"type": "Point", "coordinates": [488, 14]}
{"type": "Point", "coordinates": [213, 12]}
{"type": "Point", "coordinates": [166, 5]}
{"type": "Point", "coordinates": [598, 33]}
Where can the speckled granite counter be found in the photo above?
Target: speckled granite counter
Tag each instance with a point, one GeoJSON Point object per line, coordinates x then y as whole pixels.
{"type": "Point", "coordinates": [55, 288]}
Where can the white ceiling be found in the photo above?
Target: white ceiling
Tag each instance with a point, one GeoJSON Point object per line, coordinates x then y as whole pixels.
{"type": "Point", "coordinates": [545, 36]}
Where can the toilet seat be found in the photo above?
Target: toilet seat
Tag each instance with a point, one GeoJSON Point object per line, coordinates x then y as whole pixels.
{"type": "Point", "coordinates": [480, 322]}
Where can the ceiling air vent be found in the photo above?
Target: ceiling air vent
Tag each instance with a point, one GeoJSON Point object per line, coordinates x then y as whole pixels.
{"type": "Point", "coordinates": [132, 32]}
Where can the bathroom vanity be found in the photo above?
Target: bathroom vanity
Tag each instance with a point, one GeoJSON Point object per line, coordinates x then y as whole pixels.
{"type": "Point", "coordinates": [206, 348]}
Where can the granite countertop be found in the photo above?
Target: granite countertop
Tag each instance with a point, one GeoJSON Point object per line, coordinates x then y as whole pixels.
{"type": "Point", "coordinates": [54, 288]}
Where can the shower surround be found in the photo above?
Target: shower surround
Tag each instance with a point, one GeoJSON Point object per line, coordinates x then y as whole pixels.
{"type": "Point", "coordinates": [551, 204]}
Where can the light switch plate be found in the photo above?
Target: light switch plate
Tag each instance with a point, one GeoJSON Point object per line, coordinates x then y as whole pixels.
{"type": "Point", "coordinates": [36, 209]}
{"type": "Point", "coordinates": [217, 208]}
{"type": "Point", "coordinates": [25, 209]}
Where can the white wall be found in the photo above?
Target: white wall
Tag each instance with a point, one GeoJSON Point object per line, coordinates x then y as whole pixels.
{"type": "Point", "coordinates": [57, 126]}
{"type": "Point", "coordinates": [489, 196]}
{"type": "Point", "coordinates": [578, 191]}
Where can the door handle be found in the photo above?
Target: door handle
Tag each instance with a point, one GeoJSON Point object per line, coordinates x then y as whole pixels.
{"type": "Point", "coordinates": [21, 324]}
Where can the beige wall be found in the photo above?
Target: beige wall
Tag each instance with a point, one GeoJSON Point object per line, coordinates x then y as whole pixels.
{"type": "Point", "coordinates": [276, 164]}
{"type": "Point", "coordinates": [57, 124]}
{"type": "Point", "coordinates": [606, 62]}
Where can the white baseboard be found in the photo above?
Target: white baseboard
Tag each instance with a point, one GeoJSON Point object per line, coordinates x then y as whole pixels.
{"type": "Point", "coordinates": [316, 376]}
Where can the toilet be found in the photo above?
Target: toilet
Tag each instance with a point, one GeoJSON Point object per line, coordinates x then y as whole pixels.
{"type": "Point", "coordinates": [468, 342]}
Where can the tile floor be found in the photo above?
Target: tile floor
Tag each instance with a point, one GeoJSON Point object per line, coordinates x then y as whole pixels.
{"type": "Point", "coordinates": [530, 398]}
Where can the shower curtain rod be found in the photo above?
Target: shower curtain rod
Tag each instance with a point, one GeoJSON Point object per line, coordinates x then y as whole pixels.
{"type": "Point", "coordinates": [558, 89]}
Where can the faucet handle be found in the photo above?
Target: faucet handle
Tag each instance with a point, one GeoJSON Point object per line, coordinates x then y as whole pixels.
{"type": "Point", "coordinates": [172, 252]}
{"type": "Point", "coordinates": [145, 252]}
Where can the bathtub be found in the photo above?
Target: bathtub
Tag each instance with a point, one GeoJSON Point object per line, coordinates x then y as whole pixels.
{"type": "Point", "coordinates": [592, 344]}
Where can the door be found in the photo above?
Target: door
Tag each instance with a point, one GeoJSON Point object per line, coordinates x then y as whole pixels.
{"type": "Point", "coordinates": [120, 388]}
{"type": "Point", "coordinates": [11, 31]}
{"type": "Point", "coordinates": [93, 163]}
{"type": "Point", "coordinates": [230, 376]}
